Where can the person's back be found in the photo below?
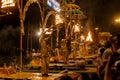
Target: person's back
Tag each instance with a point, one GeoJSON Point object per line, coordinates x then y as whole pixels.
{"type": "Point", "coordinates": [66, 78]}
{"type": "Point", "coordinates": [104, 59]}
{"type": "Point", "coordinates": [106, 54]}
{"type": "Point", "coordinates": [110, 56]}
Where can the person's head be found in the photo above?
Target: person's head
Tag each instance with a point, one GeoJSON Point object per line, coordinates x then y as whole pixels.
{"type": "Point", "coordinates": [107, 44]}
{"type": "Point", "coordinates": [113, 41]}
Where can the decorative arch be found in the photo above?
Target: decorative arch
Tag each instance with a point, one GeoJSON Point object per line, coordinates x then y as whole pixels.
{"type": "Point", "coordinates": [29, 2]}
{"type": "Point", "coordinates": [48, 15]}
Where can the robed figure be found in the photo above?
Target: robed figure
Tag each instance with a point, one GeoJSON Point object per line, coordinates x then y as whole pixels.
{"type": "Point", "coordinates": [45, 58]}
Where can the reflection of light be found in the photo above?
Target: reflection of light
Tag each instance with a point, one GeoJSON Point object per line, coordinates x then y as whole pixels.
{"type": "Point", "coordinates": [89, 37]}
{"type": "Point", "coordinates": [47, 32]}
{"type": "Point", "coordinates": [76, 28]}
{"type": "Point", "coordinates": [39, 33]}
{"type": "Point", "coordinates": [96, 28]}
{"type": "Point", "coordinates": [7, 3]}
{"type": "Point", "coordinates": [58, 19]}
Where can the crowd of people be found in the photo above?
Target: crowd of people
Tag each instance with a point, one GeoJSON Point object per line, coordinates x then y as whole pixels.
{"type": "Point", "coordinates": [109, 59]}
{"type": "Point", "coordinates": [108, 62]}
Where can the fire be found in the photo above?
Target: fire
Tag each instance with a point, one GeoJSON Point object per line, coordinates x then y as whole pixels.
{"type": "Point", "coordinates": [76, 28]}
{"type": "Point", "coordinates": [89, 37]}
{"type": "Point", "coordinates": [82, 37]}
{"type": "Point", "coordinates": [7, 3]}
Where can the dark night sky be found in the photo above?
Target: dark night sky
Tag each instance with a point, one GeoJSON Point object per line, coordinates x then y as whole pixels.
{"type": "Point", "coordinates": [102, 12]}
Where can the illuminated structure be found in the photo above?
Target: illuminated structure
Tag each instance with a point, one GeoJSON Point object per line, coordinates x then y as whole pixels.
{"type": "Point", "coordinates": [71, 12]}
{"type": "Point", "coordinates": [22, 13]}
{"type": "Point", "coordinates": [7, 3]}
{"type": "Point", "coordinates": [73, 16]}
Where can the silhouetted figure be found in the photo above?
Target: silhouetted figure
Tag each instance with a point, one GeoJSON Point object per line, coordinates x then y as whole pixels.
{"type": "Point", "coordinates": [44, 54]}
{"type": "Point", "coordinates": [109, 58]}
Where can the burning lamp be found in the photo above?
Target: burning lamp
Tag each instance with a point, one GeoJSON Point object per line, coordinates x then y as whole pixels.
{"type": "Point", "coordinates": [117, 20]}
{"type": "Point", "coordinates": [76, 28]}
{"type": "Point", "coordinates": [89, 37]}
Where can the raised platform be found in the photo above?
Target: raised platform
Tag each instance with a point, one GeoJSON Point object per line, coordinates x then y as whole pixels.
{"type": "Point", "coordinates": [53, 74]}
{"type": "Point", "coordinates": [28, 76]}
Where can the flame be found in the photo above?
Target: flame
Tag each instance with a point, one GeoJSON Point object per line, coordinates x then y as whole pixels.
{"type": "Point", "coordinates": [82, 37]}
{"type": "Point", "coordinates": [89, 37]}
{"type": "Point", "coordinates": [7, 3]}
{"type": "Point", "coordinates": [76, 28]}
